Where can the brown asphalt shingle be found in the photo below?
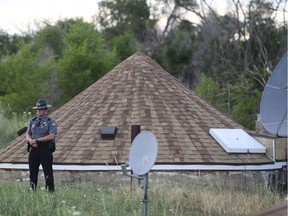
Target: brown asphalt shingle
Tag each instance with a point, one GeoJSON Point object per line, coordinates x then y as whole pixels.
{"type": "Point", "coordinates": [137, 92]}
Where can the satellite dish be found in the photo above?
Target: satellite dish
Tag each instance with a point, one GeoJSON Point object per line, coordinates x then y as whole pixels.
{"type": "Point", "coordinates": [273, 106]}
{"type": "Point", "coordinates": [143, 152]}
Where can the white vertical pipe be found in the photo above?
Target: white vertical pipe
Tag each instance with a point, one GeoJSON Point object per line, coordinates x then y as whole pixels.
{"type": "Point", "coordinates": [273, 146]}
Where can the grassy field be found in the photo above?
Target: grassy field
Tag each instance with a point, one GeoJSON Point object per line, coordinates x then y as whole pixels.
{"type": "Point", "coordinates": [17, 199]}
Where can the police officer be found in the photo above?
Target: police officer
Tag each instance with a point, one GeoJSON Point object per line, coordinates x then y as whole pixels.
{"type": "Point", "coordinates": [40, 136]}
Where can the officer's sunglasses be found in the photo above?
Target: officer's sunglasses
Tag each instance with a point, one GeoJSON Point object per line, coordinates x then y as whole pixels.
{"type": "Point", "coordinates": [41, 109]}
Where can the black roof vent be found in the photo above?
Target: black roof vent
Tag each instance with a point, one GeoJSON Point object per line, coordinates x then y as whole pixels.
{"type": "Point", "coordinates": [22, 131]}
{"type": "Point", "coordinates": [108, 132]}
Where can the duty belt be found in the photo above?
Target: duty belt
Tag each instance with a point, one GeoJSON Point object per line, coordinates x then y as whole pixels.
{"type": "Point", "coordinates": [42, 145]}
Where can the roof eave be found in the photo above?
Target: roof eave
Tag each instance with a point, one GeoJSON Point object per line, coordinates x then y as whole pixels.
{"type": "Point", "coordinates": [156, 167]}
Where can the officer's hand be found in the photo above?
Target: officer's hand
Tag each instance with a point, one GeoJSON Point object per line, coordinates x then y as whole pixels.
{"type": "Point", "coordinates": [34, 145]}
{"type": "Point", "coordinates": [32, 141]}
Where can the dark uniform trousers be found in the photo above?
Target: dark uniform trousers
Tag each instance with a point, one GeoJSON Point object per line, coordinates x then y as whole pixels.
{"type": "Point", "coordinates": [43, 156]}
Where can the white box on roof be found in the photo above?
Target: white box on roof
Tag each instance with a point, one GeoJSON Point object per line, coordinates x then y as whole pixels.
{"type": "Point", "coordinates": [236, 141]}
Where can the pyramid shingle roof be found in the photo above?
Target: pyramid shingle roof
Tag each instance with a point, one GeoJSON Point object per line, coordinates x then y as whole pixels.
{"type": "Point", "coordinates": [137, 92]}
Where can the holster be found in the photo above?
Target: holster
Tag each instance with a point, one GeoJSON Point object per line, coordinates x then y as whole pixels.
{"type": "Point", "coordinates": [28, 147]}
{"type": "Point", "coordinates": [52, 145]}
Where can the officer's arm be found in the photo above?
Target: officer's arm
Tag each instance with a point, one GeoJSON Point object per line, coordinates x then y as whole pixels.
{"type": "Point", "coordinates": [29, 139]}
{"type": "Point", "coordinates": [29, 135]}
{"type": "Point", "coordinates": [47, 138]}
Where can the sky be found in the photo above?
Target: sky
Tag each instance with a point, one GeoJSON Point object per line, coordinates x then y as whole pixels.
{"type": "Point", "coordinates": [18, 16]}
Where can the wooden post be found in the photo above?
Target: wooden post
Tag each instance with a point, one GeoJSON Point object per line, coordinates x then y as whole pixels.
{"type": "Point", "coordinates": [135, 130]}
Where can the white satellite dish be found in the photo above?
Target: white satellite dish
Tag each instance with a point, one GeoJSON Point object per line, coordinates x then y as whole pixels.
{"type": "Point", "coordinates": [143, 152]}
{"type": "Point", "coordinates": [273, 106]}
{"type": "Point", "coordinates": [142, 156]}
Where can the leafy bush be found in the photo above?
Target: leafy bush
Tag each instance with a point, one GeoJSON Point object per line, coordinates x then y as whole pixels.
{"type": "Point", "coordinates": [10, 126]}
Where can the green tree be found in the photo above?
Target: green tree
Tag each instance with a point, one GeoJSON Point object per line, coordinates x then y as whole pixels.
{"type": "Point", "coordinates": [50, 38]}
{"type": "Point", "coordinates": [240, 55]}
{"type": "Point", "coordinates": [119, 16]}
{"type": "Point", "coordinates": [246, 101]}
{"type": "Point", "coordinates": [25, 80]}
{"type": "Point", "coordinates": [210, 90]}
{"type": "Point", "coordinates": [85, 59]}
{"type": "Point", "coordinates": [124, 45]}
{"type": "Point", "coordinates": [10, 44]}
{"type": "Point", "coordinates": [177, 51]}
{"type": "Point", "coordinates": [267, 39]}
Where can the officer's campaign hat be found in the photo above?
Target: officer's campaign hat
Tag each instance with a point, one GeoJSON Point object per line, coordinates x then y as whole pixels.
{"type": "Point", "coordinates": [41, 104]}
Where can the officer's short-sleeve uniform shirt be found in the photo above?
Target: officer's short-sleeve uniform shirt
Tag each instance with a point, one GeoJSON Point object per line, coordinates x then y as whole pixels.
{"type": "Point", "coordinates": [40, 127]}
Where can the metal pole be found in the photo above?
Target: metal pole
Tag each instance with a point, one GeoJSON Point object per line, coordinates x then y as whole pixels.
{"type": "Point", "coordinates": [145, 195]}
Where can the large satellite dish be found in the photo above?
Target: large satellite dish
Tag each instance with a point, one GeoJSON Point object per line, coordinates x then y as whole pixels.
{"type": "Point", "coordinates": [143, 152]}
{"type": "Point", "coordinates": [273, 107]}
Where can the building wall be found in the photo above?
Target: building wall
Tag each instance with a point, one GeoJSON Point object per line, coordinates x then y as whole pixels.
{"type": "Point", "coordinates": [279, 152]}
{"type": "Point", "coordinates": [281, 148]}
{"type": "Point", "coordinates": [276, 147]}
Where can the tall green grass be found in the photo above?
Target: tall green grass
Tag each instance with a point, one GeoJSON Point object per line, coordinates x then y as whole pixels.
{"type": "Point", "coordinates": [17, 199]}
{"type": "Point", "coordinates": [10, 126]}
